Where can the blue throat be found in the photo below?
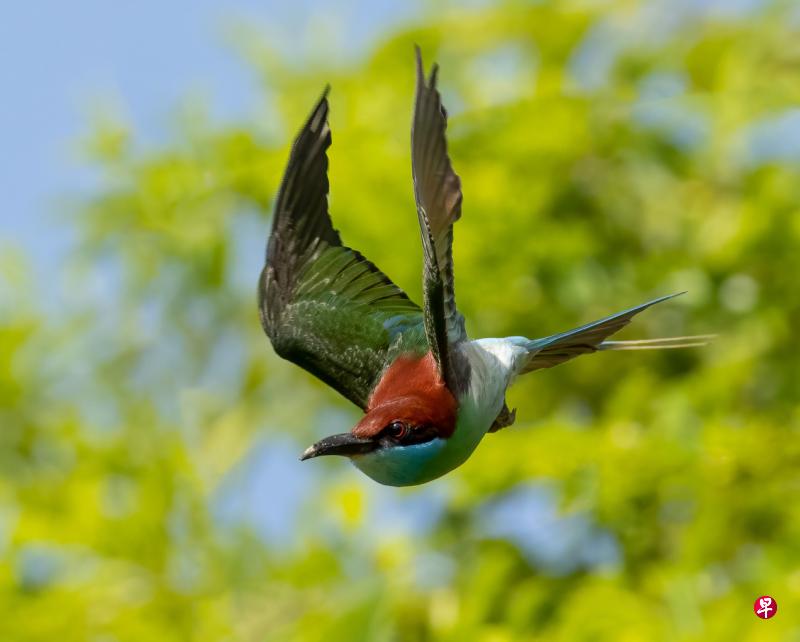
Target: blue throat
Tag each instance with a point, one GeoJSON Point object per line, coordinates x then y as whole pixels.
{"type": "Point", "coordinates": [404, 465]}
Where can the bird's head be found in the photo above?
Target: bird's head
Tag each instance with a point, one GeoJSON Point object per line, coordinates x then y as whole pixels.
{"type": "Point", "coordinates": [408, 435]}
{"type": "Point", "coordinates": [398, 443]}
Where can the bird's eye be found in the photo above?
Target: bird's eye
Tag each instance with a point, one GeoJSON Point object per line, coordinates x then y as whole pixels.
{"type": "Point", "coordinates": [397, 430]}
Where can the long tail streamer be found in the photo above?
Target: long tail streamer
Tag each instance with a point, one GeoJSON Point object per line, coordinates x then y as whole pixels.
{"type": "Point", "coordinates": [659, 344]}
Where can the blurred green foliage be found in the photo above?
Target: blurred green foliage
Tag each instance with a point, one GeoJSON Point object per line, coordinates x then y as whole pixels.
{"type": "Point", "coordinates": [609, 152]}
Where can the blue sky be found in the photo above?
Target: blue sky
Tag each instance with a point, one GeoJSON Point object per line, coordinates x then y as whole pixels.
{"type": "Point", "coordinates": [60, 60]}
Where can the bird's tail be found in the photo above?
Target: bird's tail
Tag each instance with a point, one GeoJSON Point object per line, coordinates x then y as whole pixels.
{"type": "Point", "coordinates": [555, 349]}
{"type": "Point", "coordinates": [667, 343]}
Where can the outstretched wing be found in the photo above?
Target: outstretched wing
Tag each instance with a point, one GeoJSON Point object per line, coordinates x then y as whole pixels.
{"type": "Point", "coordinates": [437, 190]}
{"type": "Point", "coordinates": [323, 305]}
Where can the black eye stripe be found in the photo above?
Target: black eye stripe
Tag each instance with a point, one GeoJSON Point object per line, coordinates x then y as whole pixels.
{"type": "Point", "coordinates": [401, 433]}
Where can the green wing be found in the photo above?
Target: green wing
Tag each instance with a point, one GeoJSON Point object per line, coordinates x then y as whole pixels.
{"type": "Point", "coordinates": [437, 190]}
{"type": "Point", "coordinates": [323, 305]}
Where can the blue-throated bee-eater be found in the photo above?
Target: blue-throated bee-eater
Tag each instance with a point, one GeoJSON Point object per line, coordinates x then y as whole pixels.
{"type": "Point", "coordinates": [429, 393]}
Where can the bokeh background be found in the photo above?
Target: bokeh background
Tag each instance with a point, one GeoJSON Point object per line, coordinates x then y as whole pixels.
{"type": "Point", "coordinates": [610, 151]}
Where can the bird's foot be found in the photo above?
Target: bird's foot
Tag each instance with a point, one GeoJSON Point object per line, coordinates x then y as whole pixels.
{"type": "Point", "coordinates": [504, 419]}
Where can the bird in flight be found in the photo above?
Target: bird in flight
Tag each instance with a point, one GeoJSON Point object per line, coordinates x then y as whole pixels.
{"type": "Point", "coordinates": [429, 393]}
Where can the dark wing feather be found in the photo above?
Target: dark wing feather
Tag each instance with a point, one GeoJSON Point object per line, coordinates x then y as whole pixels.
{"type": "Point", "coordinates": [323, 305]}
{"type": "Point", "coordinates": [437, 189]}
{"type": "Point", "coordinates": [558, 348]}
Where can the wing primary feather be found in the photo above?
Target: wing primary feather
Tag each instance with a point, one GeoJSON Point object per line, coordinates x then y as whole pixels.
{"type": "Point", "coordinates": [437, 191]}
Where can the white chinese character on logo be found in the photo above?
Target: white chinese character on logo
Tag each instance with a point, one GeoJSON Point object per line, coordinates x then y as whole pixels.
{"type": "Point", "coordinates": [765, 604]}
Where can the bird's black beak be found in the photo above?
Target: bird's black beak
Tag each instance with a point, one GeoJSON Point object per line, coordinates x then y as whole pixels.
{"type": "Point", "coordinates": [346, 444]}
